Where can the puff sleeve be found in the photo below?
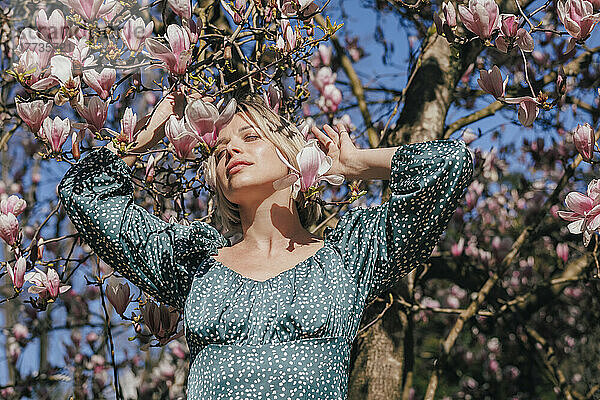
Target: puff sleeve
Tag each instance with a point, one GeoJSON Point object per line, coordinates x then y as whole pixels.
{"type": "Point", "coordinates": [381, 244]}
{"type": "Point", "coordinates": [159, 257]}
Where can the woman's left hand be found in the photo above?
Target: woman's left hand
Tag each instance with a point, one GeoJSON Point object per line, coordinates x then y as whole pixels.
{"type": "Point", "coordinates": [340, 148]}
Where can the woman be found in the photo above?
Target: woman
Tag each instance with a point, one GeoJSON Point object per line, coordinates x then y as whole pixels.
{"type": "Point", "coordinates": [274, 315]}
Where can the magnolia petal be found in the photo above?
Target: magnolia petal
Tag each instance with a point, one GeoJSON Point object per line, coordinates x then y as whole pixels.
{"type": "Point", "coordinates": [45, 83]}
{"type": "Point", "coordinates": [578, 202]}
{"type": "Point", "coordinates": [334, 179]}
{"type": "Point", "coordinates": [325, 166]}
{"type": "Point", "coordinates": [524, 40]}
{"type": "Point", "coordinates": [282, 158]}
{"type": "Point", "coordinates": [570, 45]}
{"type": "Point", "coordinates": [594, 222]}
{"type": "Point", "coordinates": [160, 51]}
{"type": "Point", "coordinates": [576, 227]}
{"type": "Point", "coordinates": [296, 189]}
{"type": "Point", "coordinates": [309, 162]}
{"type": "Point", "coordinates": [226, 115]}
{"type": "Point", "coordinates": [286, 181]}
{"type": "Point", "coordinates": [587, 236]}
{"type": "Point", "coordinates": [569, 215]}
{"type": "Point", "coordinates": [60, 67]}
{"type": "Point", "coordinates": [36, 289]}
{"type": "Point", "coordinates": [64, 288]}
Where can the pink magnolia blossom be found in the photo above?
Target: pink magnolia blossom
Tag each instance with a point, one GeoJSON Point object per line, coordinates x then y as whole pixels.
{"type": "Point", "coordinates": [481, 17]}
{"type": "Point", "coordinates": [13, 204]}
{"type": "Point", "coordinates": [94, 112]}
{"type": "Point", "coordinates": [294, 7]}
{"type": "Point", "coordinates": [578, 18]}
{"type": "Point", "coordinates": [34, 113]}
{"type": "Point", "coordinates": [510, 33]}
{"type": "Point", "coordinates": [128, 122]}
{"type": "Point", "coordinates": [80, 52]}
{"type": "Point", "coordinates": [288, 36]}
{"type": "Point", "coordinates": [446, 20]}
{"type": "Point", "coordinates": [9, 228]}
{"type": "Point", "coordinates": [201, 117]}
{"type": "Point", "coordinates": [61, 72]}
{"type": "Point", "coordinates": [183, 141]}
{"type": "Point", "coordinates": [135, 32]}
{"type": "Point", "coordinates": [29, 67]}
{"type": "Point", "coordinates": [272, 97]}
{"type": "Point", "coordinates": [20, 331]}
{"type": "Point", "coordinates": [491, 82]}
{"type": "Point", "coordinates": [528, 109]}
{"type": "Point", "coordinates": [330, 99]}
{"type": "Point", "coordinates": [509, 25]}
{"type": "Point", "coordinates": [118, 295]}
{"type": "Point", "coordinates": [90, 10]}
{"type": "Point", "coordinates": [54, 29]}
{"type": "Point", "coordinates": [101, 82]}
{"type": "Point", "coordinates": [313, 164]}
{"type": "Point", "coordinates": [177, 349]}
{"type": "Point", "coordinates": [193, 29]}
{"type": "Point", "coordinates": [468, 136]}
{"type": "Point", "coordinates": [457, 248]}
{"type": "Point", "coordinates": [205, 120]}
{"type": "Point", "coordinates": [47, 285]}
{"type": "Point", "coordinates": [226, 114]}
{"type": "Point", "coordinates": [585, 211]}
{"type": "Point", "coordinates": [585, 140]}
{"type": "Point", "coordinates": [325, 76]}
{"type": "Point", "coordinates": [325, 53]}
{"type": "Point", "coordinates": [562, 251]}
{"type": "Point", "coordinates": [56, 132]}
{"type": "Point", "coordinates": [13, 350]}
{"type": "Point", "coordinates": [449, 13]}
{"type": "Point", "coordinates": [183, 8]}
{"type": "Point", "coordinates": [150, 168]}
{"type": "Point", "coordinates": [280, 43]}
{"type": "Point", "coordinates": [17, 273]}
{"type": "Point", "coordinates": [177, 57]}
{"type": "Point", "coordinates": [345, 120]}
{"type": "Point", "coordinates": [30, 39]}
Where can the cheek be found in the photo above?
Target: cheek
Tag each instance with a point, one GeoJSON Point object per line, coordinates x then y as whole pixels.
{"type": "Point", "coordinates": [275, 165]}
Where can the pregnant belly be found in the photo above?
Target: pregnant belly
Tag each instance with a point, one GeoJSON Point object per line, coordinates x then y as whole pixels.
{"type": "Point", "coordinates": [303, 369]}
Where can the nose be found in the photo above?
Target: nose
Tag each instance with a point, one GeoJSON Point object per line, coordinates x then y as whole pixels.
{"type": "Point", "coordinates": [232, 146]}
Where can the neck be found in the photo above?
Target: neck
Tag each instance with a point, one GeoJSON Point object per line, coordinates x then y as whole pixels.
{"type": "Point", "coordinates": [272, 223]}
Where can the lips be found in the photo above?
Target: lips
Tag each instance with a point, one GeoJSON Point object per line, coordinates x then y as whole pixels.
{"type": "Point", "coordinates": [236, 166]}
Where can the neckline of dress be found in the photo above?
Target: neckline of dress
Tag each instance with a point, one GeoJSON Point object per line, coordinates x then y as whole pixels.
{"type": "Point", "coordinates": [248, 279]}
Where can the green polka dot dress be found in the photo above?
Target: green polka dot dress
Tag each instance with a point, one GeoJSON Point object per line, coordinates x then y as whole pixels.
{"type": "Point", "coordinates": [287, 337]}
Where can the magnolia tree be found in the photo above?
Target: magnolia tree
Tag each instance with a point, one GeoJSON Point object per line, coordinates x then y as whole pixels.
{"type": "Point", "coordinates": [506, 307]}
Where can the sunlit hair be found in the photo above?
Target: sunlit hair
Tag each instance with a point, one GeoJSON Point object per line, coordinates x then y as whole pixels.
{"type": "Point", "coordinates": [286, 137]}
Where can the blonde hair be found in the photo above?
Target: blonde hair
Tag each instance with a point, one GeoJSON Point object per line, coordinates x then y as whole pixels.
{"type": "Point", "coordinates": [286, 137]}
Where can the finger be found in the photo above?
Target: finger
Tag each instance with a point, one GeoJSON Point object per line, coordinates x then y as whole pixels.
{"type": "Point", "coordinates": [322, 137]}
{"type": "Point", "coordinates": [332, 134]}
{"type": "Point", "coordinates": [344, 135]}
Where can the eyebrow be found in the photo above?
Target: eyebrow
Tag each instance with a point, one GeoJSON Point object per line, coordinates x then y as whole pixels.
{"type": "Point", "coordinates": [242, 129]}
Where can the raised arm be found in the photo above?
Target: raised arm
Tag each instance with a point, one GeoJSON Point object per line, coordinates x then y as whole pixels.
{"type": "Point", "coordinates": [381, 244]}
{"type": "Point", "coordinates": [160, 257]}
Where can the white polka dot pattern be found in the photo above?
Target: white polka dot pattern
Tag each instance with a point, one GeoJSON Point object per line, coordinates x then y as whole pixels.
{"type": "Point", "coordinates": [287, 337]}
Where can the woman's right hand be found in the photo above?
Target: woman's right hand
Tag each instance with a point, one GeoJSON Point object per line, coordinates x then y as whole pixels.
{"type": "Point", "coordinates": [173, 103]}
